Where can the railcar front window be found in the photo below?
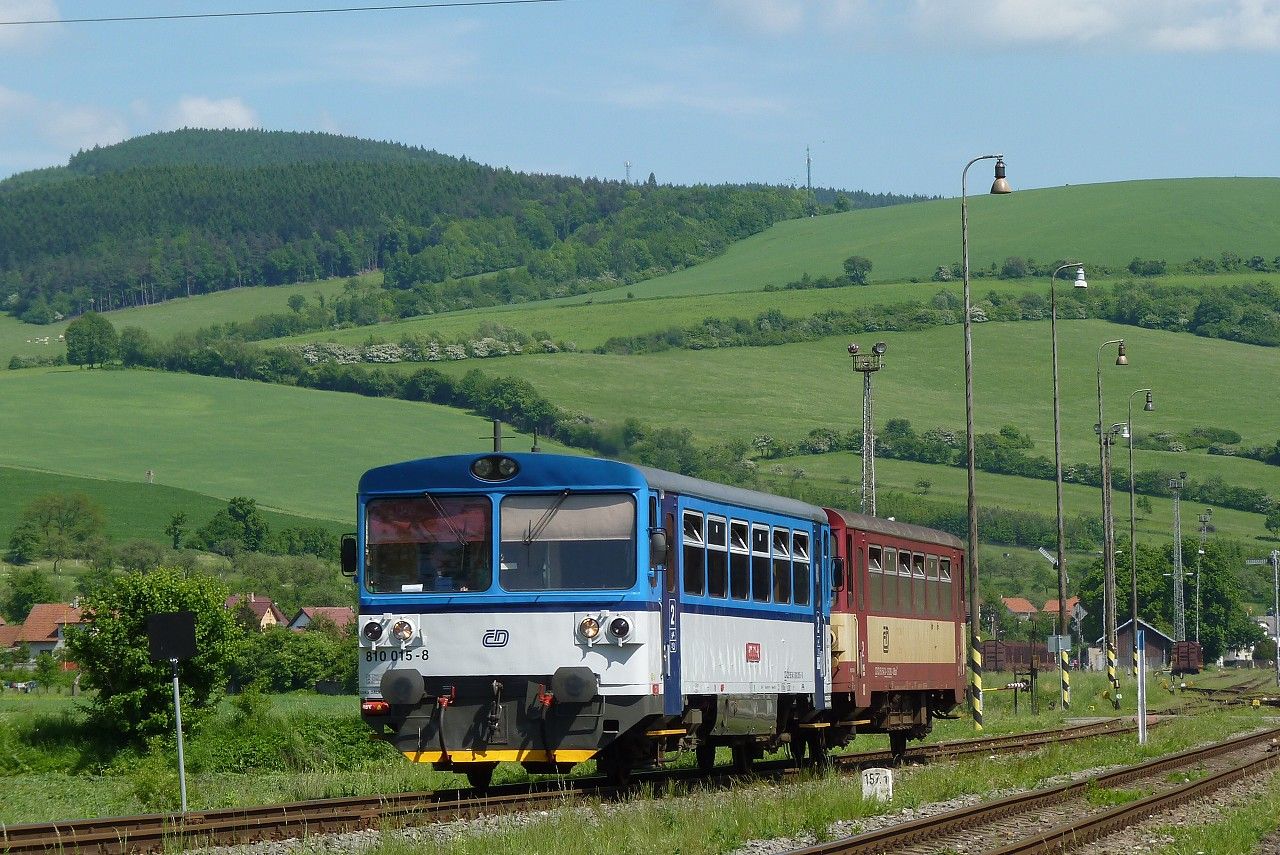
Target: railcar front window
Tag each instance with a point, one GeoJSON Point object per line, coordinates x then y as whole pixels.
{"type": "Point", "coordinates": [567, 542]}
{"type": "Point", "coordinates": [428, 544]}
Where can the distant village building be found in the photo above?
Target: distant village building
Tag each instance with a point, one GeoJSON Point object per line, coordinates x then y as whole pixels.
{"type": "Point", "coordinates": [44, 629]}
{"type": "Point", "coordinates": [340, 616]}
{"type": "Point", "coordinates": [263, 609]}
{"type": "Point", "coordinates": [1020, 607]}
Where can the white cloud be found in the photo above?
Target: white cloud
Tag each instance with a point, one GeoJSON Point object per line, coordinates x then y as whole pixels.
{"type": "Point", "coordinates": [23, 37]}
{"type": "Point", "coordinates": [79, 127]}
{"type": "Point", "coordinates": [1114, 25]}
{"type": "Point", "coordinates": [194, 111]}
{"type": "Point", "coordinates": [661, 96]}
{"type": "Point", "coordinates": [788, 17]}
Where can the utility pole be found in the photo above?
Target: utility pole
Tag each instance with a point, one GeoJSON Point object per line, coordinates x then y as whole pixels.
{"type": "Point", "coordinates": [1274, 561]}
{"type": "Point", "coordinates": [1179, 602]}
{"type": "Point", "coordinates": [1204, 538]}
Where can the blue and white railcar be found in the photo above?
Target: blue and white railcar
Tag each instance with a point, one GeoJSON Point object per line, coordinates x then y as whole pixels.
{"type": "Point", "coordinates": [549, 609]}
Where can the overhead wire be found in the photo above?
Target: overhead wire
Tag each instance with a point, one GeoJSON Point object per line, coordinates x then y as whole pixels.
{"type": "Point", "coordinates": [444, 4]}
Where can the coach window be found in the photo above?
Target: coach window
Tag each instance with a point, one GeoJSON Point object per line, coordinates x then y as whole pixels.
{"type": "Point", "coordinates": [944, 585]}
{"type": "Point", "coordinates": [800, 568]}
{"type": "Point", "coordinates": [890, 579]}
{"type": "Point", "coordinates": [781, 565]}
{"type": "Point", "coordinates": [919, 590]}
{"type": "Point", "coordinates": [717, 557]}
{"type": "Point", "coordinates": [761, 569]}
{"type": "Point", "coordinates": [694, 554]}
{"type": "Point", "coordinates": [875, 573]}
{"type": "Point", "coordinates": [931, 572]}
{"type": "Point", "coordinates": [739, 561]}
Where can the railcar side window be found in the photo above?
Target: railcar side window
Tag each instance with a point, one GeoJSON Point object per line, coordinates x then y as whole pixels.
{"type": "Point", "coordinates": [944, 569]}
{"type": "Point", "coordinates": [695, 554]}
{"type": "Point", "coordinates": [890, 596]}
{"type": "Point", "coordinates": [739, 561]}
{"type": "Point", "coordinates": [800, 581]}
{"type": "Point", "coordinates": [568, 542]}
{"type": "Point", "coordinates": [875, 567]}
{"type": "Point", "coordinates": [781, 565]}
{"type": "Point", "coordinates": [428, 544]}
{"type": "Point", "coordinates": [904, 563]}
{"type": "Point", "coordinates": [875, 558]}
{"type": "Point", "coordinates": [761, 569]}
{"type": "Point", "coordinates": [717, 557]}
{"type": "Point", "coordinates": [935, 588]}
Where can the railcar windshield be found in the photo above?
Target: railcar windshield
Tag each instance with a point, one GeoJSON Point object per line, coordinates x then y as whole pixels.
{"type": "Point", "coordinates": [568, 542]}
{"type": "Point", "coordinates": [429, 544]}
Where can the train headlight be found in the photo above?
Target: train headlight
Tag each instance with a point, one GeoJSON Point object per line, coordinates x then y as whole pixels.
{"type": "Point", "coordinates": [372, 630]}
{"type": "Point", "coordinates": [589, 628]}
{"type": "Point", "coordinates": [494, 468]}
{"type": "Point", "coordinates": [402, 630]}
{"type": "Point", "coordinates": [620, 628]}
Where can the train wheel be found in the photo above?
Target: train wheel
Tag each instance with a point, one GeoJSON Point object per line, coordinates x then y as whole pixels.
{"type": "Point", "coordinates": [705, 753]}
{"type": "Point", "coordinates": [480, 775]}
{"type": "Point", "coordinates": [818, 753]}
{"type": "Point", "coordinates": [898, 746]}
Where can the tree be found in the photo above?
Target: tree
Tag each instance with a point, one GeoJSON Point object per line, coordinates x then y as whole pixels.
{"type": "Point", "coordinates": [26, 588]}
{"type": "Point", "coordinates": [134, 698]}
{"type": "Point", "coordinates": [856, 267]}
{"type": "Point", "coordinates": [236, 527]}
{"type": "Point", "coordinates": [176, 528]}
{"type": "Point", "coordinates": [1273, 521]}
{"type": "Point", "coordinates": [61, 526]}
{"type": "Point", "coordinates": [91, 340]}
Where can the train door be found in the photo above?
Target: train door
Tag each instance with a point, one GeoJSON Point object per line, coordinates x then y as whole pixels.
{"type": "Point", "coordinates": [844, 618]}
{"type": "Point", "coordinates": [672, 693]}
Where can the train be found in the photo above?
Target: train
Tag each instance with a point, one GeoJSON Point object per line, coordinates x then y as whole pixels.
{"type": "Point", "coordinates": [549, 609]}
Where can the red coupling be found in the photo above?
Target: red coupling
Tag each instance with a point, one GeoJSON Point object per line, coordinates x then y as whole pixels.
{"type": "Point", "coordinates": [545, 698]}
{"type": "Point", "coordinates": [447, 699]}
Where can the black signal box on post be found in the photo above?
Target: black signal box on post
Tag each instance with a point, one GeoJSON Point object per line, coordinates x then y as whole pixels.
{"type": "Point", "coordinates": [172, 635]}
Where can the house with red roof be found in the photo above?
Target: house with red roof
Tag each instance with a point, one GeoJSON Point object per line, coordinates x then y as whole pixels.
{"type": "Point", "coordinates": [1021, 607]}
{"type": "Point", "coordinates": [340, 616]}
{"type": "Point", "coordinates": [1075, 611]}
{"type": "Point", "coordinates": [9, 636]}
{"type": "Point", "coordinates": [43, 630]}
{"type": "Point", "coordinates": [263, 609]}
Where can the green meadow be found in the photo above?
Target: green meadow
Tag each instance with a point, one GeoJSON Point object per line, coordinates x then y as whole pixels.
{"type": "Point", "coordinates": [297, 451]}
{"type": "Point", "coordinates": [789, 390]}
{"type": "Point", "coordinates": [1174, 220]}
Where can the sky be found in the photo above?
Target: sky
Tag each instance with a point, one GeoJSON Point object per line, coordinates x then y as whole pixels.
{"type": "Point", "coordinates": [887, 95]}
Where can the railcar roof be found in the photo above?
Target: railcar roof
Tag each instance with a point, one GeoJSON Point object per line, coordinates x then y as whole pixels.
{"type": "Point", "coordinates": [689, 486]}
{"type": "Point", "coordinates": [893, 528]}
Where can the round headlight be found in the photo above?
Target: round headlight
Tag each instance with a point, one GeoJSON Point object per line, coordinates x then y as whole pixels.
{"type": "Point", "coordinates": [484, 468]}
{"type": "Point", "coordinates": [590, 627]}
{"type": "Point", "coordinates": [402, 630]}
{"type": "Point", "coordinates": [372, 630]}
{"type": "Point", "coordinates": [620, 627]}
{"type": "Point", "coordinates": [507, 467]}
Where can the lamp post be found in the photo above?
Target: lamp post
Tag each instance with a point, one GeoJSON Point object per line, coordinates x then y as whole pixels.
{"type": "Point", "coordinates": [1204, 537]}
{"type": "Point", "coordinates": [1149, 406]}
{"type": "Point", "coordinates": [1108, 526]}
{"type": "Point", "coordinates": [1057, 479]}
{"type": "Point", "coordinates": [999, 187]}
{"type": "Point", "coordinates": [1179, 598]}
{"type": "Point", "coordinates": [868, 364]}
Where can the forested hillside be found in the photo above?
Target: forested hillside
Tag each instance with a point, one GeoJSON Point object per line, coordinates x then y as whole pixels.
{"type": "Point", "coordinates": [197, 211]}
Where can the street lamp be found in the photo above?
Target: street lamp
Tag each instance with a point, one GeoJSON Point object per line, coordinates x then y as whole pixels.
{"type": "Point", "coordinates": [1057, 478]}
{"type": "Point", "coordinates": [867, 364]}
{"type": "Point", "coordinates": [999, 187]}
{"type": "Point", "coordinates": [1176, 486]}
{"type": "Point", "coordinates": [1108, 525]}
{"type": "Point", "coordinates": [1204, 536]}
{"type": "Point", "coordinates": [1149, 406]}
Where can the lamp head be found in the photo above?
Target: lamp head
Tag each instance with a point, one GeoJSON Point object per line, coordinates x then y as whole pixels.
{"type": "Point", "coordinates": [853, 348]}
{"type": "Point", "coordinates": [1121, 359]}
{"type": "Point", "coordinates": [878, 348]}
{"type": "Point", "coordinates": [1080, 280]}
{"type": "Point", "coordinates": [1150, 405]}
{"type": "Point", "coordinates": [1000, 187]}
{"type": "Point", "coordinates": [1124, 430]}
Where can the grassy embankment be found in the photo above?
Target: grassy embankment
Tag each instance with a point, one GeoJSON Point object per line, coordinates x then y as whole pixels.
{"type": "Point", "coordinates": [311, 747]}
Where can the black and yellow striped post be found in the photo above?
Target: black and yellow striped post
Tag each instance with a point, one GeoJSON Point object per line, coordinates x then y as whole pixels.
{"type": "Point", "coordinates": [1064, 667]}
{"type": "Point", "coordinates": [1135, 658]}
{"type": "Point", "coordinates": [1111, 676]}
{"type": "Point", "coordinates": [975, 681]}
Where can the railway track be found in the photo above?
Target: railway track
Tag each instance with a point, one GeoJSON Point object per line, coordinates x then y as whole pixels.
{"type": "Point", "coordinates": [1033, 822]}
{"type": "Point", "coordinates": [274, 822]}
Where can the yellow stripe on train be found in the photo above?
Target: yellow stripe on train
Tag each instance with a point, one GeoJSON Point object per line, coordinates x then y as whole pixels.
{"type": "Point", "coordinates": [516, 755]}
{"type": "Point", "coordinates": [907, 640]}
